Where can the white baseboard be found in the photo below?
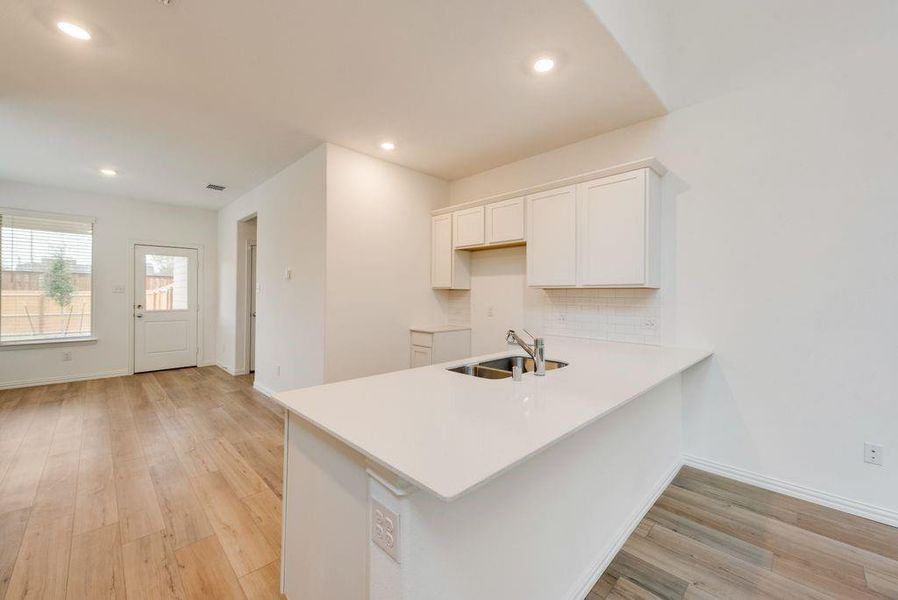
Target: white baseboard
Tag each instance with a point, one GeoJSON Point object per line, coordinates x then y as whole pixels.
{"type": "Point", "coordinates": [21, 383]}
{"type": "Point", "coordinates": [592, 575]}
{"type": "Point", "coordinates": [263, 389]}
{"type": "Point", "coordinates": [230, 370]}
{"type": "Point", "coordinates": [854, 507]}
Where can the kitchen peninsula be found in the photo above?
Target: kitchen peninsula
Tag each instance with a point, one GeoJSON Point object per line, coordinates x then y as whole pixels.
{"type": "Point", "coordinates": [442, 485]}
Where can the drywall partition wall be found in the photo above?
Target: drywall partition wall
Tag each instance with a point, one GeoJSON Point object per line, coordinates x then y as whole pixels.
{"type": "Point", "coordinates": [119, 223]}
{"type": "Point", "coordinates": [378, 262]}
{"type": "Point", "coordinates": [290, 209]}
{"type": "Point", "coordinates": [781, 254]}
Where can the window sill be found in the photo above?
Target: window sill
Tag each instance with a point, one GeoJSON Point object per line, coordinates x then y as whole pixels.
{"type": "Point", "coordinates": [22, 344]}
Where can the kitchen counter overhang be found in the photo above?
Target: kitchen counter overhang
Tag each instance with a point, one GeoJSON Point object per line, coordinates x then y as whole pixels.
{"type": "Point", "coordinates": [448, 433]}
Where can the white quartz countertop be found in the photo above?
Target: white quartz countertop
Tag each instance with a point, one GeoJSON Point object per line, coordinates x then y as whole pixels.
{"type": "Point", "coordinates": [448, 433]}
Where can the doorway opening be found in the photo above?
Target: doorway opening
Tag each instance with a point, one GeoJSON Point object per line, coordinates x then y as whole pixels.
{"type": "Point", "coordinates": [251, 331]}
{"type": "Point", "coordinates": [248, 290]}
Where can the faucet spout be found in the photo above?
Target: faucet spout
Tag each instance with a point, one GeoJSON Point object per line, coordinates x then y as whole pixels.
{"type": "Point", "coordinates": [537, 350]}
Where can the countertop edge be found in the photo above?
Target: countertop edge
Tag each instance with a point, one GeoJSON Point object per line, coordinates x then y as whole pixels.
{"type": "Point", "coordinates": [451, 495]}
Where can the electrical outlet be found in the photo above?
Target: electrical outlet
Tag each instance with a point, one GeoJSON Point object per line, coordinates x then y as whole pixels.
{"type": "Point", "coordinates": [489, 311]}
{"type": "Point", "coordinates": [385, 529]}
{"type": "Point", "coordinates": [66, 356]}
{"type": "Point", "coordinates": [650, 324]}
{"type": "Point", "coordinates": [873, 454]}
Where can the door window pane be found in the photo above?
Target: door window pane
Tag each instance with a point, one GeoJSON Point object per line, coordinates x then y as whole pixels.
{"type": "Point", "coordinates": [166, 282]}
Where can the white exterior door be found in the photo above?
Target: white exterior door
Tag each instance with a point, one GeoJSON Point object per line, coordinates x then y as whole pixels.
{"type": "Point", "coordinates": [165, 308]}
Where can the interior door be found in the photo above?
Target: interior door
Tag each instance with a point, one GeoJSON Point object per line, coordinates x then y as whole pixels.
{"type": "Point", "coordinates": [165, 308]}
{"type": "Point", "coordinates": [253, 291]}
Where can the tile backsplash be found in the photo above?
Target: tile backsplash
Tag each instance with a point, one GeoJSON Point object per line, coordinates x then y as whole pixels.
{"type": "Point", "coordinates": [622, 315]}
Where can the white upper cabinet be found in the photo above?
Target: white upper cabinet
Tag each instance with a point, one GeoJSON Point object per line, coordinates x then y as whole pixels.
{"type": "Point", "coordinates": [468, 227]}
{"type": "Point", "coordinates": [617, 231]}
{"type": "Point", "coordinates": [551, 238]}
{"type": "Point", "coordinates": [449, 269]}
{"type": "Point", "coordinates": [505, 221]}
{"type": "Point", "coordinates": [597, 229]}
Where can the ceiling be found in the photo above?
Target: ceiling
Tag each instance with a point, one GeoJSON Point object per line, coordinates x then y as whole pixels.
{"type": "Point", "coordinates": [229, 92]}
{"type": "Point", "coordinates": [693, 50]}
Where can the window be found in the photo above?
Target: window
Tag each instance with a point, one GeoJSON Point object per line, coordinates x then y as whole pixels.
{"type": "Point", "coordinates": [45, 277]}
{"type": "Point", "coordinates": [166, 282]}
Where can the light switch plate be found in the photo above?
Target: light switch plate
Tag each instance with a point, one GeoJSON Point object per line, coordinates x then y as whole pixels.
{"type": "Point", "coordinates": [385, 529]}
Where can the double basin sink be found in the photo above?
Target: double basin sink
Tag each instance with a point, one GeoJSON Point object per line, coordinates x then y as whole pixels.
{"type": "Point", "coordinates": [502, 368]}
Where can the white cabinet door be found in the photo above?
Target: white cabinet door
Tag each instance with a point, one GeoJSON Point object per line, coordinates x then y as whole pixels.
{"type": "Point", "coordinates": [441, 252]}
{"type": "Point", "coordinates": [612, 230]}
{"type": "Point", "coordinates": [505, 221]}
{"type": "Point", "coordinates": [551, 238]}
{"type": "Point", "coordinates": [467, 227]}
{"type": "Point", "coordinates": [449, 268]}
{"type": "Point", "coordinates": [421, 356]}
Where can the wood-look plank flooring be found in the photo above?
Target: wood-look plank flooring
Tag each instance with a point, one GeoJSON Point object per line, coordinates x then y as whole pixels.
{"type": "Point", "coordinates": [158, 485]}
{"type": "Point", "coordinates": [168, 485]}
{"type": "Point", "coordinates": [711, 537]}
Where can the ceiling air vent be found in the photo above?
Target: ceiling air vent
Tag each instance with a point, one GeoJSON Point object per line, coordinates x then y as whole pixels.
{"type": "Point", "coordinates": [217, 188]}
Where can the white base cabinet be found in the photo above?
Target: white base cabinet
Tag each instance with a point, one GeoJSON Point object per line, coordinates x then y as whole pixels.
{"type": "Point", "coordinates": [438, 345]}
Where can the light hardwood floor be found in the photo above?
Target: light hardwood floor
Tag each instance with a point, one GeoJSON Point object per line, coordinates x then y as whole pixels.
{"type": "Point", "coordinates": [167, 485]}
{"type": "Point", "coordinates": [160, 485]}
{"type": "Point", "coordinates": [711, 537]}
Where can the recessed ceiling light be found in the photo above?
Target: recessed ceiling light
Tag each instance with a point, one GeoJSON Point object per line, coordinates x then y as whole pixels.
{"type": "Point", "coordinates": [106, 172]}
{"type": "Point", "coordinates": [70, 29]}
{"type": "Point", "coordinates": [544, 65]}
{"type": "Point", "coordinates": [388, 145]}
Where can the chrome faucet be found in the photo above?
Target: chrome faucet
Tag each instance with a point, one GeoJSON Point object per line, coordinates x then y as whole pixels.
{"type": "Point", "coordinates": [537, 350]}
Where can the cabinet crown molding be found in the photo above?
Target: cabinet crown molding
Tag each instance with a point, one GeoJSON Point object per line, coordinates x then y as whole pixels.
{"type": "Point", "coordinates": [651, 162]}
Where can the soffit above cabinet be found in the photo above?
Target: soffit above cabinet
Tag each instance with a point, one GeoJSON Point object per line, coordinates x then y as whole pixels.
{"type": "Point", "coordinates": [651, 163]}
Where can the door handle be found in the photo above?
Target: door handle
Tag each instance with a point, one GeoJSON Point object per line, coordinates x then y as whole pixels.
{"type": "Point", "coordinates": [138, 308]}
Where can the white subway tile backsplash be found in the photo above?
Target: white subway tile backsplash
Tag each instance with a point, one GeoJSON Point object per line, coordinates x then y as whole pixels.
{"type": "Point", "coordinates": [626, 315]}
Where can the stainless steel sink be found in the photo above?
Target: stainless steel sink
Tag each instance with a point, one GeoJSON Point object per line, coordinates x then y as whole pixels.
{"type": "Point", "coordinates": [480, 371]}
{"type": "Point", "coordinates": [501, 368]}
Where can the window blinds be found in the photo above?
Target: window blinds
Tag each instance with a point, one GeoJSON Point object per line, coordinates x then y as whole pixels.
{"type": "Point", "coordinates": [45, 276]}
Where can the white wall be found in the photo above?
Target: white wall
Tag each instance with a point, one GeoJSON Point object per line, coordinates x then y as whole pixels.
{"type": "Point", "coordinates": [119, 223]}
{"type": "Point", "coordinates": [378, 262]}
{"type": "Point", "coordinates": [498, 289]}
{"type": "Point", "coordinates": [782, 255]}
{"type": "Point", "coordinates": [290, 210]}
